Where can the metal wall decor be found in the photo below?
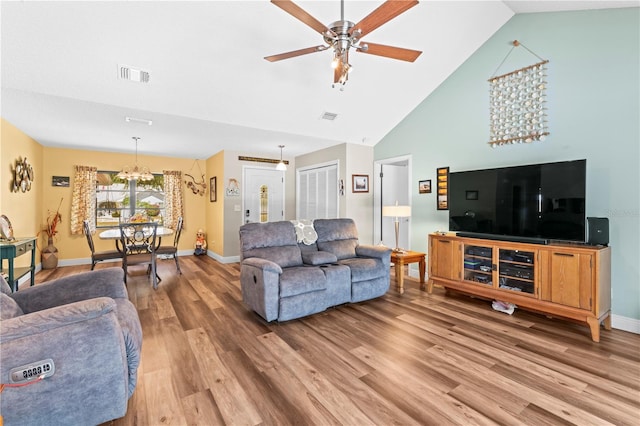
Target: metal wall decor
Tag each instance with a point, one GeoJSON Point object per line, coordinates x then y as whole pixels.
{"type": "Point", "coordinates": [197, 186]}
{"type": "Point", "coordinates": [22, 176]}
{"type": "Point", "coordinates": [517, 104]}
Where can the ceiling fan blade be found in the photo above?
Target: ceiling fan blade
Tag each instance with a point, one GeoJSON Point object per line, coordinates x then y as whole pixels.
{"type": "Point", "coordinates": [384, 13]}
{"type": "Point", "coordinates": [400, 53]}
{"type": "Point", "coordinates": [297, 12]}
{"type": "Point", "coordinates": [294, 53]}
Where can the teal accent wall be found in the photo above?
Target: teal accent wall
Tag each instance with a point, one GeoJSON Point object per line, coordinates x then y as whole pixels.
{"type": "Point", "coordinates": [594, 113]}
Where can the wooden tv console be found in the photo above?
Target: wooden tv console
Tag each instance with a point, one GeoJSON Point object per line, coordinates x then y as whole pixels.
{"type": "Point", "coordinates": [571, 281]}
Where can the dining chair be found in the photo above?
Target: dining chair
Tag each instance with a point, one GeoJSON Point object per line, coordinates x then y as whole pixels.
{"type": "Point", "coordinates": [173, 250]}
{"type": "Point", "coordinates": [98, 256]}
{"type": "Point", "coordinates": [138, 242]}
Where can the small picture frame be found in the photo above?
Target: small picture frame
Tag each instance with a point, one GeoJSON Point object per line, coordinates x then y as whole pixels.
{"type": "Point", "coordinates": [60, 181]}
{"type": "Point", "coordinates": [471, 195]}
{"type": "Point", "coordinates": [359, 183]}
{"type": "Point", "coordinates": [213, 194]}
{"type": "Point", "coordinates": [424, 186]}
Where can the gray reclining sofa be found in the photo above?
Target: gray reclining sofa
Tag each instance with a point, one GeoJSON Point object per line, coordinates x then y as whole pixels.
{"type": "Point", "coordinates": [283, 279]}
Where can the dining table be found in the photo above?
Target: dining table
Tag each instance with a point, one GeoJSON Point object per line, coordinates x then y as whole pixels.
{"type": "Point", "coordinates": [114, 234]}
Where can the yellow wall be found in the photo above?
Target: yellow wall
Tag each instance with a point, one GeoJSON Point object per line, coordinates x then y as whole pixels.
{"type": "Point", "coordinates": [28, 211]}
{"type": "Point", "coordinates": [215, 210]}
{"type": "Point", "coordinates": [22, 208]}
{"type": "Point", "coordinates": [61, 162]}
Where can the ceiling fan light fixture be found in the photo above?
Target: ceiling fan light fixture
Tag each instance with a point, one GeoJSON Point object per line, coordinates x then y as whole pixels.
{"type": "Point", "coordinates": [343, 35]}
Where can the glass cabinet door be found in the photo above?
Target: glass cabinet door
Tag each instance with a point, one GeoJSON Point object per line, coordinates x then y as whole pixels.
{"type": "Point", "coordinates": [478, 264]}
{"type": "Point", "coordinates": [516, 271]}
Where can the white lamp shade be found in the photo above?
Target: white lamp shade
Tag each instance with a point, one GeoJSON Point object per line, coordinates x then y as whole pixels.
{"type": "Point", "coordinates": [396, 211]}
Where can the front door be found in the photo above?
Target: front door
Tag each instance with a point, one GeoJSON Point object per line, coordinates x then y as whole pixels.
{"type": "Point", "coordinates": [263, 195]}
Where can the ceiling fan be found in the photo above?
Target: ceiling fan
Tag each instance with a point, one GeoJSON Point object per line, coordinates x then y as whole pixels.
{"type": "Point", "coordinates": [343, 35]}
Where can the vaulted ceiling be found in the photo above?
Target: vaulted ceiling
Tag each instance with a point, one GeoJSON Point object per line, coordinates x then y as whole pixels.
{"type": "Point", "coordinates": [210, 88]}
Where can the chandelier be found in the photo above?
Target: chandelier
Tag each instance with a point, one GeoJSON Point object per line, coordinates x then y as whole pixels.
{"type": "Point", "coordinates": [135, 172]}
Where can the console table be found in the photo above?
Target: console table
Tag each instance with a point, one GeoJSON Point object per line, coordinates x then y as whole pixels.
{"type": "Point", "coordinates": [10, 250]}
{"type": "Point", "coordinates": [399, 259]}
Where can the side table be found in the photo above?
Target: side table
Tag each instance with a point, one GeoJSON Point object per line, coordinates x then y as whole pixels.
{"type": "Point", "coordinates": [399, 259]}
{"type": "Point", "coordinates": [10, 250]}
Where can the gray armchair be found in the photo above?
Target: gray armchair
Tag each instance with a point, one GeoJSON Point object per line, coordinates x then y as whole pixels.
{"type": "Point", "coordinates": [86, 325]}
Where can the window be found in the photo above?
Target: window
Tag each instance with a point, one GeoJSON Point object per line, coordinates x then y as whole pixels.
{"type": "Point", "coordinates": [120, 200]}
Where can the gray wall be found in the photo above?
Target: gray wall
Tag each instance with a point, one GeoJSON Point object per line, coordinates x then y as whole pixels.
{"type": "Point", "coordinates": [593, 111]}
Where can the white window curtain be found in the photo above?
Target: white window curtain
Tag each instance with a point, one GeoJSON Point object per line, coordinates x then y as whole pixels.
{"type": "Point", "coordinates": [317, 192]}
{"type": "Point", "coordinates": [172, 198]}
{"type": "Point", "coordinates": [83, 205]}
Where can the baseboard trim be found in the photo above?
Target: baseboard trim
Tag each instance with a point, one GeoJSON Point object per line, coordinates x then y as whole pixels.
{"type": "Point", "coordinates": [222, 259]}
{"type": "Point", "coordinates": [631, 325]}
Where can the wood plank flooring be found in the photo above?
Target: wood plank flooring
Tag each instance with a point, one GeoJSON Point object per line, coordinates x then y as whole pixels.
{"type": "Point", "coordinates": [434, 359]}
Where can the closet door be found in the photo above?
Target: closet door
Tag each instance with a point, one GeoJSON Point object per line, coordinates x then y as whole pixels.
{"type": "Point", "coordinates": [317, 192]}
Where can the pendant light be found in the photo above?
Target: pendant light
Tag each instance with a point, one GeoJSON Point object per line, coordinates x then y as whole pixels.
{"type": "Point", "coordinates": [281, 165]}
{"type": "Point", "coordinates": [135, 172]}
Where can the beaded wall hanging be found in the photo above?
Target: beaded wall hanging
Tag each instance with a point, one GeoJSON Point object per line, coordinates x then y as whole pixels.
{"type": "Point", "coordinates": [517, 111]}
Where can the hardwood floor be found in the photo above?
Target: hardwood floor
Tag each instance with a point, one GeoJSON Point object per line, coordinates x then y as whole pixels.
{"type": "Point", "coordinates": [414, 359]}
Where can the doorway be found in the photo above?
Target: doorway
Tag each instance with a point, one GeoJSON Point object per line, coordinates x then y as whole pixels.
{"type": "Point", "coordinates": [392, 183]}
{"type": "Point", "coordinates": [263, 199]}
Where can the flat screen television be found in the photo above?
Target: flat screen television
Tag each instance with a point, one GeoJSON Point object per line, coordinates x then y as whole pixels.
{"type": "Point", "coordinates": [532, 203]}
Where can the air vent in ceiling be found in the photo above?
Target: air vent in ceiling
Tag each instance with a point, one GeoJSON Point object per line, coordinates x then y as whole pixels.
{"type": "Point", "coordinates": [329, 116]}
{"type": "Point", "coordinates": [133, 74]}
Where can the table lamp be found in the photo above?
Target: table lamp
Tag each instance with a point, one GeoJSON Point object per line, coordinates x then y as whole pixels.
{"type": "Point", "coordinates": [397, 212]}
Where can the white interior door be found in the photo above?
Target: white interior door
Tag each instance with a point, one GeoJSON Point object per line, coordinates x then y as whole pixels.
{"type": "Point", "coordinates": [263, 198]}
{"type": "Point", "coordinates": [393, 183]}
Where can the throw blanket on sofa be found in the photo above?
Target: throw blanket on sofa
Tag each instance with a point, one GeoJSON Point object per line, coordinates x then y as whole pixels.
{"type": "Point", "coordinates": [305, 232]}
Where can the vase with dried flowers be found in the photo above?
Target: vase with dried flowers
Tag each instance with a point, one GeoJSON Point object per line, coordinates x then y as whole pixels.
{"type": "Point", "coordinates": [50, 252]}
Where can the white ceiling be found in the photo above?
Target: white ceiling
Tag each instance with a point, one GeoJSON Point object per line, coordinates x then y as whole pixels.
{"type": "Point", "coordinates": [210, 88]}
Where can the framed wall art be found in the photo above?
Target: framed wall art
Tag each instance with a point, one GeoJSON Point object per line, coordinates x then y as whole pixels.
{"type": "Point", "coordinates": [359, 183]}
{"type": "Point", "coordinates": [62, 181]}
{"type": "Point", "coordinates": [424, 186]}
{"type": "Point", "coordinates": [213, 194]}
{"type": "Point", "coordinates": [442, 174]}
